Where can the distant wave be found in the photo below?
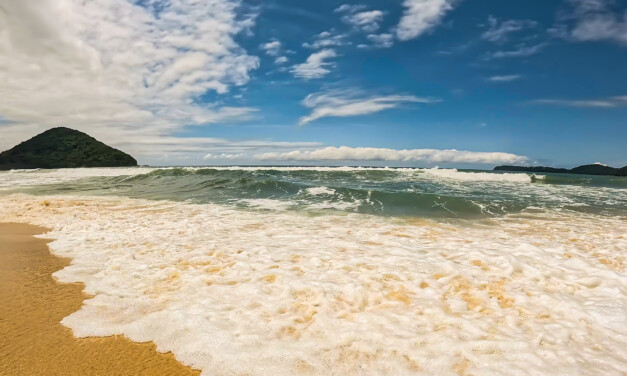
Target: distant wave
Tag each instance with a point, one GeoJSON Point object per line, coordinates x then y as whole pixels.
{"type": "Point", "coordinates": [433, 193]}
{"type": "Point", "coordinates": [478, 176]}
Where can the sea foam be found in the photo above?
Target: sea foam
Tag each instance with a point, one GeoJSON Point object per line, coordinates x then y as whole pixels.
{"type": "Point", "coordinates": [242, 292]}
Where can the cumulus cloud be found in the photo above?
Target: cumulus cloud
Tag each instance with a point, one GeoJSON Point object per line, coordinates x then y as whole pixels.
{"type": "Point", "coordinates": [345, 153]}
{"type": "Point", "coordinates": [343, 103]}
{"type": "Point", "coordinates": [316, 65]}
{"type": "Point", "coordinates": [499, 31]}
{"type": "Point", "coordinates": [116, 69]}
{"type": "Point", "coordinates": [367, 21]}
{"type": "Point", "coordinates": [506, 78]}
{"type": "Point", "coordinates": [612, 102]}
{"type": "Point", "coordinates": [421, 16]}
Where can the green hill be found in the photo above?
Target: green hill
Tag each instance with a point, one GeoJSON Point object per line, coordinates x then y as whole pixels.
{"type": "Point", "coordinates": [594, 169]}
{"type": "Point", "coordinates": [590, 169]}
{"type": "Point", "coordinates": [63, 148]}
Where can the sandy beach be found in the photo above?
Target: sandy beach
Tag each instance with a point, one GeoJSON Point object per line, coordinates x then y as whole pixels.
{"type": "Point", "coordinates": [32, 305]}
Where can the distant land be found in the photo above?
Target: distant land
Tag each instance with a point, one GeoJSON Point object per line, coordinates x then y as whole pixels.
{"type": "Point", "coordinates": [63, 148]}
{"type": "Point", "coordinates": [590, 169]}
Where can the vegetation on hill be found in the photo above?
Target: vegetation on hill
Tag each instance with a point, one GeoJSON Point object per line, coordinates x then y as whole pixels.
{"type": "Point", "coordinates": [63, 148]}
{"type": "Point", "coordinates": [590, 169]}
{"type": "Point", "coordinates": [531, 169]}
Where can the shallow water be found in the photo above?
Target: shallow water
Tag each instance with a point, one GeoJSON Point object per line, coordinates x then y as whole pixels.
{"type": "Point", "coordinates": [241, 279]}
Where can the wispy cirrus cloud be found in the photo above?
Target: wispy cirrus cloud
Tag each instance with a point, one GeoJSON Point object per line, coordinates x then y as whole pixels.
{"type": "Point", "coordinates": [345, 153]}
{"type": "Point", "coordinates": [350, 8]}
{"type": "Point", "coordinates": [344, 103]}
{"type": "Point", "coordinates": [610, 102]}
{"type": "Point", "coordinates": [505, 78]}
{"type": "Point", "coordinates": [499, 31]}
{"type": "Point", "coordinates": [316, 65]}
{"type": "Point", "coordinates": [521, 50]}
{"type": "Point", "coordinates": [421, 16]}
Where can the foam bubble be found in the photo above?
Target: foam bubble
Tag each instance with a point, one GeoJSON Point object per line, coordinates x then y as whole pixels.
{"type": "Point", "coordinates": [244, 292]}
{"type": "Point", "coordinates": [317, 191]}
{"type": "Point", "coordinates": [266, 204]}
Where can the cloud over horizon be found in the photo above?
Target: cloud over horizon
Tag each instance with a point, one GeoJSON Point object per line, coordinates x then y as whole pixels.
{"type": "Point", "coordinates": [345, 153]}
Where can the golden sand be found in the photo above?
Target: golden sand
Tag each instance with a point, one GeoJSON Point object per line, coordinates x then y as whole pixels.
{"type": "Point", "coordinates": [33, 342]}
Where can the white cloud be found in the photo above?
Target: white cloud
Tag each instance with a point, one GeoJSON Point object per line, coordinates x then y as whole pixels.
{"type": "Point", "coordinates": [223, 156]}
{"type": "Point", "coordinates": [349, 8]}
{"type": "Point", "coordinates": [522, 50]}
{"type": "Point", "coordinates": [506, 78]}
{"type": "Point", "coordinates": [118, 70]}
{"type": "Point", "coordinates": [601, 27]}
{"type": "Point", "coordinates": [499, 31]}
{"type": "Point", "coordinates": [367, 21]}
{"type": "Point", "coordinates": [316, 65]}
{"type": "Point", "coordinates": [590, 103]}
{"type": "Point", "coordinates": [281, 60]}
{"type": "Point", "coordinates": [421, 16]}
{"type": "Point", "coordinates": [343, 103]}
{"type": "Point", "coordinates": [384, 40]}
{"type": "Point", "coordinates": [326, 39]}
{"type": "Point", "coordinates": [166, 149]}
{"type": "Point", "coordinates": [272, 48]}
{"type": "Point", "coordinates": [592, 20]}
{"type": "Point", "coordinates": [345, 153]}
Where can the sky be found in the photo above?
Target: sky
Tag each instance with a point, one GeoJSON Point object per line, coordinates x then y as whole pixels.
{"type": "Point", "coordinates": [449, 83]}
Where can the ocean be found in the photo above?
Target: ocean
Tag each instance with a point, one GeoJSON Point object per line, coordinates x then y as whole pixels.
{"type": "Point", "coordinates": [343, 271]}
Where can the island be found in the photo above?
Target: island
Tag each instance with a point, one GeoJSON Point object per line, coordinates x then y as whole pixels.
{"type": "Point", "coordinates": [63, 148]}
{"type": "Point", "coordinates": [590, 169]}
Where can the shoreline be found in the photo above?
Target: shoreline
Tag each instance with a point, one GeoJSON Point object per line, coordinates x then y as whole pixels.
{"type": "Point", "coordinates": [248, 298]}
{"type": "Point", "coordinates": [32, 305]}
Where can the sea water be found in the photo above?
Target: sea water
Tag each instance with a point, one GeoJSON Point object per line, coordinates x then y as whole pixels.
{"type": "Point", "coordinates": [364, 271]}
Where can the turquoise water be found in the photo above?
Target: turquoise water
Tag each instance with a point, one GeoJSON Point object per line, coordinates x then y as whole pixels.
{"type": "Point", "coordinates": [433, 193]}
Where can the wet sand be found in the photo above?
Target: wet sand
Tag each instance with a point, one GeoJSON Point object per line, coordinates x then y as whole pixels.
{"type": "Point", "coordinates": [32, 304]}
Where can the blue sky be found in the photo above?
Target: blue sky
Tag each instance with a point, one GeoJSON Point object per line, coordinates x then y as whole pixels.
{"type": "Point", "coordinates": [541, 81]}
